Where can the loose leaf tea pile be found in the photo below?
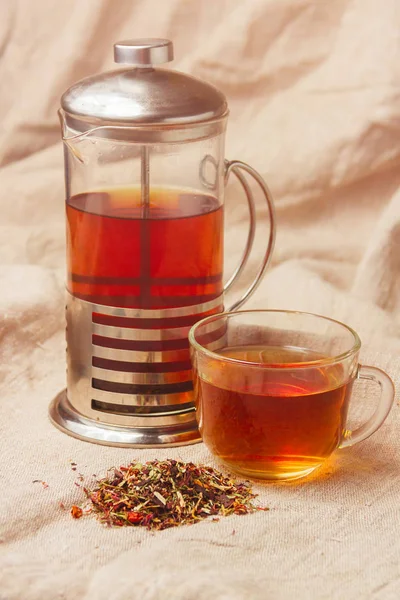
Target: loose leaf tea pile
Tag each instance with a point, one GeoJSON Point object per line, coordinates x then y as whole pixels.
{"type": "Point", "coordinates": [161, 494]}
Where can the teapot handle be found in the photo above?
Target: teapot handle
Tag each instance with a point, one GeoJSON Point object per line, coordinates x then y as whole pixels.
{"type": "Point", "coordinates": [236, 167]}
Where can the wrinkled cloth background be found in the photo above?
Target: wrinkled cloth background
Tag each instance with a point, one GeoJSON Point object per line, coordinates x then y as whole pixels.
{"type": "Point", "coordinates": [314, 91]}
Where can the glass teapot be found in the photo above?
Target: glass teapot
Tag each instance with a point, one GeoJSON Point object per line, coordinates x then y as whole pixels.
{"type": "Point", "coordinates": [145, 175]}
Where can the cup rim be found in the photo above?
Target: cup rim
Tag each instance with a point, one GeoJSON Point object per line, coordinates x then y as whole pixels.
{"type": "Point", "coordinates": [307, 364]}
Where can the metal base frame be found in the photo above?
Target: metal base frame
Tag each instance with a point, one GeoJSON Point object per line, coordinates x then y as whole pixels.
{"type": "Point", "coordinates": [67, 419]}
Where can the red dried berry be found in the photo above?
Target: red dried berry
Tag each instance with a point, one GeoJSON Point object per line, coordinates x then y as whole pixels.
{"type": "Point", "coordinates": [76, 512]}
{"type": "Point", "coordinates": [134, 517]}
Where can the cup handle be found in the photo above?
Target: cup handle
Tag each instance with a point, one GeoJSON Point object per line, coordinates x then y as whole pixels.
{"type": "Point", "coordinates": [381, 411]}
{"type": "Point", "coordinates": [236, 167]}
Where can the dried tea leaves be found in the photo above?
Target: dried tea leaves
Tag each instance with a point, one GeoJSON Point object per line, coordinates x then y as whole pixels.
{"type": "Point", "coordinates": [162, 494]}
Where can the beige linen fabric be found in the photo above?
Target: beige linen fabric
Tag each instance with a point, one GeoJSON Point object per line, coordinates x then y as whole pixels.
{"type": "Point", "coordinates": [314, 90]}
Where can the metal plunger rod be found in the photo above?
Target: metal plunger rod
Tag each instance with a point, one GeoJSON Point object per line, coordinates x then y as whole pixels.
{"type": "Point", "coordinates": [145, 179]}
{"type": "Point", "coordinates": [145, 285]}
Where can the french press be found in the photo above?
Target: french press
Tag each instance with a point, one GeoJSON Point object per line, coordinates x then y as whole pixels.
{"type": "Point", "coordinates": [145, 177]}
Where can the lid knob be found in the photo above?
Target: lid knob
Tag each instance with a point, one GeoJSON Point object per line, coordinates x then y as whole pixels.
{"type": "Point", "coordinates": [144, 52]}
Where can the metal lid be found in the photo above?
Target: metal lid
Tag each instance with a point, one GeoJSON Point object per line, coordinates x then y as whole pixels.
{"type": "Point", "coordinates": [143, 95]}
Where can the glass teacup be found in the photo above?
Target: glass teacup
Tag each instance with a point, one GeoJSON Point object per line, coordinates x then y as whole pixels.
{"type": "Point", "coordinates": [272, 390]}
